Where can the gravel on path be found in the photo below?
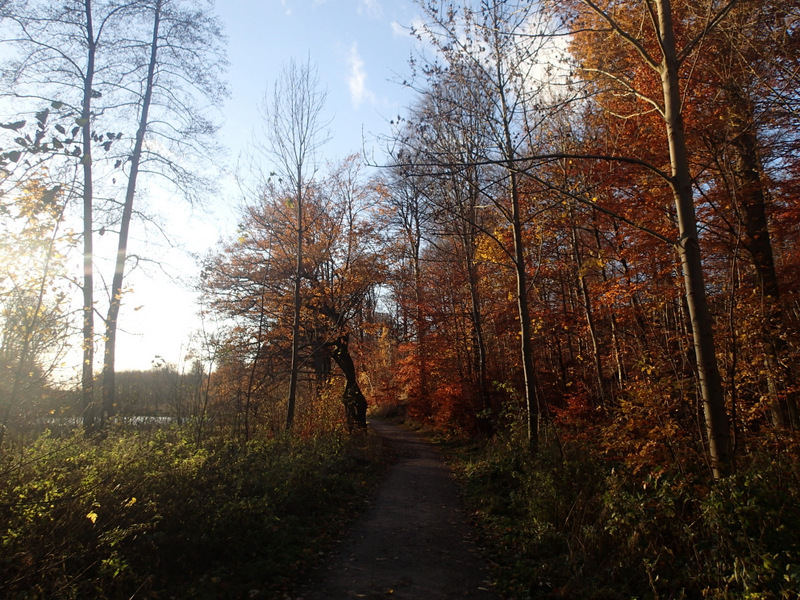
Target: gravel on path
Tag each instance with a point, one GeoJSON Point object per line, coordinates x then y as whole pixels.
{"type": "Point", "coordinates": [413, 542]}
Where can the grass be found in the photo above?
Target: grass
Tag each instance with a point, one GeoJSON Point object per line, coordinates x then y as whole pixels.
{"type": "Point", "coordinates": [577, 526]}
{"type": "Point", "coordinates": [153, 515]}
{"type": "Point", "coordinates": [150, 514]}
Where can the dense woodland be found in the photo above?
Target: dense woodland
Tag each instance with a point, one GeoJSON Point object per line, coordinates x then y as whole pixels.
{"type": "Point", "coordinates": [575, 258]}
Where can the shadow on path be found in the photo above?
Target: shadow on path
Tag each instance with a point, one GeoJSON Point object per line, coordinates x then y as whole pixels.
{"type": "Point", "coordinates": [413, 542]}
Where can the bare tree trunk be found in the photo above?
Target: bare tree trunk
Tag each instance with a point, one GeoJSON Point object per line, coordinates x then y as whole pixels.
{"type": "Point", "coordinates": [752, 197]}
{"type": "Point", "coordinates": [419, 320]}
{"type": "Point", "coordinates": [109, 386]}
{"type": "Point", "coordinates": [468, 231]}
{"type": "Point", "coordinates": [526, 347]}
{"type": "Point", "coordinates": [716, 417]}
{"type": "Point", "coordinates": [355, 405]}
{"type": "Point", "coordinates": [294, 133]}
{"type": "Point", "coordinates": [620, 368]}
{"type": "Point", "coordinates": [87, 373]}
{"type": "Point", "coordinates": [251, 378]}
{"type": "Point", "coordinates": [587, 310]}
{"type": "Point", "coordinates": [478, 343]}
{"type": "Point", "coordinates": [298, 302]}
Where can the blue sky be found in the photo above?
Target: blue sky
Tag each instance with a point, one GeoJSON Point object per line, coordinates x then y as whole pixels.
{"type": "Point", "coordinates": [359, 47]}
{"type": "Point", "coordinates": [361, 52]}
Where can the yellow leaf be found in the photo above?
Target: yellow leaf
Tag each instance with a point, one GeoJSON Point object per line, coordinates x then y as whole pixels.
{"type": "Point", "coordinates": [92, 516]}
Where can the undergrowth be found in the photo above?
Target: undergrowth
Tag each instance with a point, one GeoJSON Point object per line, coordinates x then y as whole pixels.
{"type": "Point", "coordinates": [568, 524]}
{"type": "Point", "coordinates": [151, 514]}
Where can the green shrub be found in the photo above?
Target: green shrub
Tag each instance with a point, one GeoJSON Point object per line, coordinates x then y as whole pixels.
{"type": "Point", "coordinates": [570, 525]}
{"type": "Point", "coordinates": [154, 513]}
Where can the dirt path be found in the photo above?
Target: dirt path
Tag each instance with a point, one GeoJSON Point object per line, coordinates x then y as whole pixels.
{"type": "Point", "coordinates": [412, 542]}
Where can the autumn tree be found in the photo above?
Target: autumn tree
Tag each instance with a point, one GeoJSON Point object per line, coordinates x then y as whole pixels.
{"type": "Point", "coordinates": [439, 210]}
{"type": "Point", "coordinates": [408, 214]}
{"type": "Point", "coordinates": [743, 144]}
{"type": "Point", "coordinates": [34, 322]}
{"type": "Point", "coordinates": [479, 51]}
{"type": "Point", "coordinates": [294, 131]}
{"type": "Point", "coordinates": [655, 55]}
{"type": "Point", "coordinates": [253, 278]}
{"type": "Point", "coordinates": [632, 85]}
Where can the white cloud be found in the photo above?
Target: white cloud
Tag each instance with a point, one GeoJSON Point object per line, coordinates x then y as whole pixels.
{"type": "Point", "coordinates": [417, 24]}
{"type": "Point", "coordinates": [372, 8]}
{"type": "Point", "coordinates": [398, 30]}
{"type": "Point", "coordinates": [357, 81]}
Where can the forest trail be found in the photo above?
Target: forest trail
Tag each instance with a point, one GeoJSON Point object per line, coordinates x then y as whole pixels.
{"type": "Point", "coordinates": [412, 542]}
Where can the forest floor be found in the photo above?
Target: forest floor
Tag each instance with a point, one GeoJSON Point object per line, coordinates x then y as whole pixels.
{"type": "Point", "coordinates": [413, 541]}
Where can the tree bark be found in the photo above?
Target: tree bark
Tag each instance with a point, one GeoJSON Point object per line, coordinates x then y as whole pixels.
{"type": "Point", "coordinates": [293, 134]}
{"type": "Point", "coordinates": [468, 232]}
{"type": "Point", "coordinates": [716, 417]}
{"type": "Point", "coordinates": [87, 372]}
{"type": "Point", "coordinates": [752, 197]}
{"type": "Point", "coordinates": [420, 320]}
{"type": "Point", "coordinates": [355, 404]}
{"type": "Point", "coordinates": [478, 341]}
{"type": "Point", "coordinates": [526, 348]}
{"type": "Point", "coordinates": [583, 288]}
{"type": "Point", "coordinates": [615, 342]}
{"type": "Point", "coordinates": [297, 297]}
{"type": "Point", "coordinates": [533, 409]}
{"type": "Point", "coordinates": [109, 386]}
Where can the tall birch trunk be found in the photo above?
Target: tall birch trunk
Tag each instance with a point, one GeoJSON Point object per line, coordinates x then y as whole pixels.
{"type": "Point", "coordinates": [87, 371]}
{"type": "Point", "coordinates": [297, 296]}
{"type": "Point", "coordinates": [478, 341]}
{"type": "Point", "coordinates": [508, 149]}
{"type": "Point", "coordinates": [716, 417]}
{"type": "Point", "coordinates": [109, 386]}
{"type": "Point", "coordinates": [583, 288]}
{"type": "Point", "coordinates": [525, 330]}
